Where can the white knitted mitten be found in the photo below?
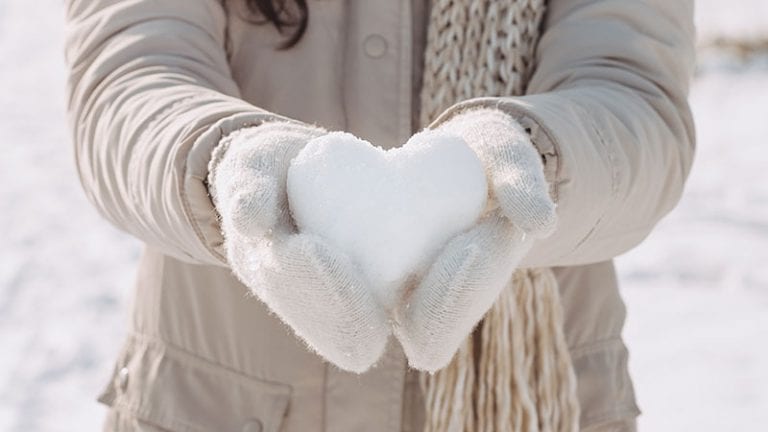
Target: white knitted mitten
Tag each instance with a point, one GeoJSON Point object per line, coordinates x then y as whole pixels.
{"type": "Point", "coordinates": [311, 286]}
{"type": "Point", "coordinates": [470, 272]}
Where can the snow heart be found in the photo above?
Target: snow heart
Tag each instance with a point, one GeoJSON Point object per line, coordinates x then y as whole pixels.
{"type": "Point", "coordinates": [389, 211]}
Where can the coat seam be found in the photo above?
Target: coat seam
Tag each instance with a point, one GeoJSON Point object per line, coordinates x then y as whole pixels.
{"type": "Point", "coordinates": [598, 345]}
{"type": "Point", "coordinates": [160, 420]}
{"type": "Point", "coordinates": [614, 181]}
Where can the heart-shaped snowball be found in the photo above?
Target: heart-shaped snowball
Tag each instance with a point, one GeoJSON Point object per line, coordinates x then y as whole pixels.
{"type": "Point", "coordinates": [389, 211]}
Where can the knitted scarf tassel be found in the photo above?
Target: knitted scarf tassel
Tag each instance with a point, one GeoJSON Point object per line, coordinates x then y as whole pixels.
{"type": "Point", "coordinates": [514, 374]}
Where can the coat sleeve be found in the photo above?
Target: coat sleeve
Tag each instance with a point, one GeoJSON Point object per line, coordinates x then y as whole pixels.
{"type": "Point", "coordinates": [607, 109]}
{"type": "Point", "coordinates": [150, 93]}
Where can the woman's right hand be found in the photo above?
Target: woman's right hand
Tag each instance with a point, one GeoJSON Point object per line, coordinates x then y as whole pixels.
{"type": "Point", "coordinates": [311, 286]}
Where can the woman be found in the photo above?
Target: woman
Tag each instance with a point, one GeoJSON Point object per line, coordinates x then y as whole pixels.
{"type": "Point", "coordinates": [162, 90]}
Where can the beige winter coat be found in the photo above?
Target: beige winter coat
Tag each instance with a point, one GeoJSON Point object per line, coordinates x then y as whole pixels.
{"type": "Point", "coordinates": [156, 83]}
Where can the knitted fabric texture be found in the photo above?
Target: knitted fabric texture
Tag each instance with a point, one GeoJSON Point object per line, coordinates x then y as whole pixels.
{"type": "Point", "coordinates": [514, 373]}
{"type": "Point", "coordinates": [310, 285]}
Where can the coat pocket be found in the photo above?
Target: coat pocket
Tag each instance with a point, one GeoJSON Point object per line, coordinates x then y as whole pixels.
{"type": "Point", "coordinates": [180, 392]}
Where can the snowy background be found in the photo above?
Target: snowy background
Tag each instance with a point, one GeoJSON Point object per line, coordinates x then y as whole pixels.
{"type": "Point", "coordinates": [697, 289]}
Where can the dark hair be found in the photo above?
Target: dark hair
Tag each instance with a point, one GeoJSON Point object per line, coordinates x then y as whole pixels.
{"type": "Point", "coordinates": [284, 15]}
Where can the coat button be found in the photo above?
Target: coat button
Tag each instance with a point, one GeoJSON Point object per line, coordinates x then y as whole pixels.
{"type": "Point", "coordinates": [122, 378]}
{"type": "Point", "coordinates": [252, 425]}
{"type": "Point", "coordinates": [375, 46]}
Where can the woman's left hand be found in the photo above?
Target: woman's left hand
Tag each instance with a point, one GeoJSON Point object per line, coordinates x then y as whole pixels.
{"type": "Point", "coordinates": [473, 268]}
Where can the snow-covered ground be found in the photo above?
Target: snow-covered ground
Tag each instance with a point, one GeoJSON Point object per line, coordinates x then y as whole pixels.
{"type": "Point", "coordinates": [697, 289]}
{"type": "Point", "coordinates": [65, 275]}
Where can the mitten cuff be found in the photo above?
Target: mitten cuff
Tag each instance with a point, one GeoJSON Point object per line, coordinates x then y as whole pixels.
{"type": "Point", "coordinates": [254, 134]}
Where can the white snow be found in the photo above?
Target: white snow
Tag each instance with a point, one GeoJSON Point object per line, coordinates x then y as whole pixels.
{"type": "Point", "coordinates": [390, 211]}
{"type": "Point", "coordinates": [696, 290]}
{"type": "Point", "coordinates": [65, 274]}
{"type": "Point", "coordinates": [741, 20]}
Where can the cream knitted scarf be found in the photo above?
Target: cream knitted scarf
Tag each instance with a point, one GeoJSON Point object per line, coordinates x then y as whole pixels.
{"type": "Point", "coordinates": [514, 374]}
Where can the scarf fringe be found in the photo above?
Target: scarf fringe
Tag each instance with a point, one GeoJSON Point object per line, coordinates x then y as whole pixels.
{"type": "Point", "coordinates": [514, 374]}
